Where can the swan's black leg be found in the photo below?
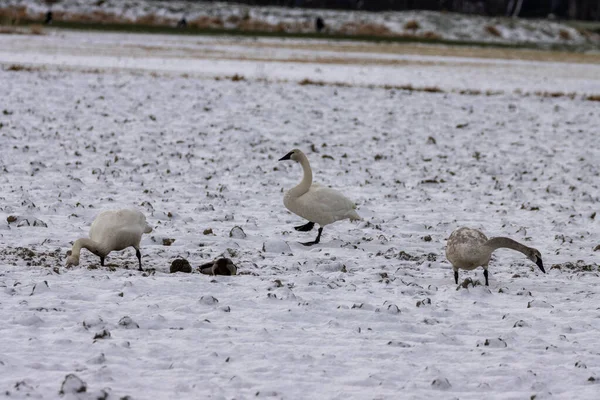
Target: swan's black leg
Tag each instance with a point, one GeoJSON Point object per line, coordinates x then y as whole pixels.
{"type": "Point", "coordinates": [102, 261]}
{"type": "Point", "coordinates": [316, 240]}
{"type": "Point", "coordinates": [306, 227]}
{"type": "Point", "coordinates": [456, 277]}
{"type": "Point", "coordinates": [485, 274]}
{"type": "Point", "coordinates": [139, 257]}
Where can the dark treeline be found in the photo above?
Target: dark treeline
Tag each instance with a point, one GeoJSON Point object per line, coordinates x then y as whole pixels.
{"type": "Point", "coordinates": [564, 9]}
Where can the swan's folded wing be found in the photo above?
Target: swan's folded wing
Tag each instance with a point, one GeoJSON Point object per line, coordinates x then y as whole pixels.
{"type": "Point", "coordinates": [327, 204]}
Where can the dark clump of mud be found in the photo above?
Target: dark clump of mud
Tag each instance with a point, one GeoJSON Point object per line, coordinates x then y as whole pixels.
{"type": "Point", "coordinates": [578, 266]}
{"type": "Point", "coordinates": [180, 265]}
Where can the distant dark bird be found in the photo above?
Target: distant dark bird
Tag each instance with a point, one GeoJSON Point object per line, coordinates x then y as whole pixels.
{"type": "Point", "coordinates": [182, 23]}
{"type": "Point", "coordinates": [48, 19]}
{"type": "Point", "coordinates": [319, 24]}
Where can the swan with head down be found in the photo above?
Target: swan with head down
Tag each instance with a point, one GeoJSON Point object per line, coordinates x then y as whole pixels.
{"type": "Point", "coordinates": [469, 248]}
{"type": "Point", "coordinates": [318, 204]}
{"type": "Point", "coordinates": [112, 230]}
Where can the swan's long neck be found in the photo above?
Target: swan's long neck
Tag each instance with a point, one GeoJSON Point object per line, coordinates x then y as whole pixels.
{"type": "Point", "coordinates": [304, 185]}
{"type": "Point", "coordinates": [505, 243]}
{"type": "Point", "coordinates": [89, 244]}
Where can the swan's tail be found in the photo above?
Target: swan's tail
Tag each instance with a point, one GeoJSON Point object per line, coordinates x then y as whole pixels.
{"type": "Point", "coordinates": [147, 229]}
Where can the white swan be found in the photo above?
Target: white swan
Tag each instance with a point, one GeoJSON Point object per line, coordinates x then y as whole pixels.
{"type": "Point", "coordinates": [318, 204]}
{"type": "Point", "coordinates": [112, 231]}
{"type": "Point", "coordinates": [470, 248]}
{"type": "Point", "coordinates": [222, 266]}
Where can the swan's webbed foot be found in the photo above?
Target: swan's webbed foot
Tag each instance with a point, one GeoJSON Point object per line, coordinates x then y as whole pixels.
{"type": "Point", "coordinates": [306, 227]}
{"type": "Point", "coordinates": [456, 277]}
{"type": "Point", "coordinates": [485, 274]}
{"type": "Point", "coordinates": [139, 257]}
{"type": "Point", "coordinates": [102, 261]}
{"type": "Point", "coordinates": [317, 240]}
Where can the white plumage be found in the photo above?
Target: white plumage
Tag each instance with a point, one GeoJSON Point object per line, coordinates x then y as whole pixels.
{"type": "Point", "coordinates": [112, 230]}
{"type": "Point", "coordinates": [318, 204]}
{"type": "Point", "coordinates": [469, 248]}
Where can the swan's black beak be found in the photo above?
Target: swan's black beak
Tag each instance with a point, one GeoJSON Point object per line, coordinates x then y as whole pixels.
{"type": "Point", "coordinates": [540, 264]}
{"type": "Point", "coordinates": [287, 156]}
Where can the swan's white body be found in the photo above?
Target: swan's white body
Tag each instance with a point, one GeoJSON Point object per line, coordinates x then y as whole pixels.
{"type": "Point", "coordinates": [112, 230]}
{"type": "Point", "coordinates": [318, 204]}
{"type": "Point", "coordinates": [469, 248]}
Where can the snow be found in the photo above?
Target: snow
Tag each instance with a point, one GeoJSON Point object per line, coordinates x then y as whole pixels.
{"type": "Point", "coordinates": [370, 312]}
{"type": "Point", "coordinates": [221, 15]}
{"type": "Point", "coordinates": [296, 60]}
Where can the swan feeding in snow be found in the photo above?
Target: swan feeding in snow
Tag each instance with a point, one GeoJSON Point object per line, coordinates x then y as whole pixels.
{"type": "Point", "coordinates": [470, 248]}
{"type": "Point", "coordinates": [318, 204]}
{"type": "Point", "coordinates": [112, 231]}
{"type": "Point", "coordinates": [222, 266]}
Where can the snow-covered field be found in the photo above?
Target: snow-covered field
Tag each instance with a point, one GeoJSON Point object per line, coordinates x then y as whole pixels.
{"type": "Point", "coordinates": [370, 313]}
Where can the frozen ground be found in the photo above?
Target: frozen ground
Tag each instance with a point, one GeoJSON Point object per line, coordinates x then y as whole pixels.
{"type": "Point", "coordinates": [371, 312]}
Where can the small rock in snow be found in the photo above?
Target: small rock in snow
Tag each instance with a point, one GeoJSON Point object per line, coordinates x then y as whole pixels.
{"type": "Point", "coordinates": [521, 324]}
{"type": "Point", "coordinates": [363, 306]}
{"type": "Point", "coordinates": [441, 384]}
{"type": "Point", "coordinates": [104, 334]}
{"type": "Point", "coordinates": [597, 248]}
{"type": "Point", "coordinates": [180, 265]}
{"type": "Point", "coordinates": [167, 241]}
{"type": "Point", "coordinates": [424, 302]}
{"type": "Point", "coordinates": [468, 282]}
{"type": "Point", "coordinates": [208, 300]}
{"type": "Point", "coordinates": [40, 288]}
{"type": "Point", "coordinates": [393, 309]}
{"type": "Point", "coordinates": [92, 322]}
{"type": "Point", "coordinates": [276, 246]}
{"type": "Point", "coordinates": [237, 233]}
{"type": "Point", "coordinates": [100, 359]}
{"type": "Point", "coordinates": [23, 387]}
{"type": "Point", "coordinates": [579, 364]}
{"type": "Point", "coordinates": [397, 343]}
{"type": "Point", "coordinates": [128, 323]}
{"type": "Point", "coordinates": [25, 221]}
{"type": "Point", "coordinates": [539, 304]}
{"type": "Point", "coordinates": [30, 321]}
{"type": "Point", "coordinates": [495, 343]}
{"type": "Point", "coordinates": [335, 266]}
{"type": "Point", "coordinates": [72, 384]}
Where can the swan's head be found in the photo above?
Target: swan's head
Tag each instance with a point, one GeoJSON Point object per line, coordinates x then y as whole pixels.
{"type": "Point", "coordinates": [293, 155]}
{"type": "Point", "coordinates": [72, 260]}
{"type": "Point", "coordinates": [535, 256]}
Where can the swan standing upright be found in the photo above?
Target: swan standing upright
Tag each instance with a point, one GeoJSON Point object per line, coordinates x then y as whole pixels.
{"type": "Point", "coordinates": [318, 204]}
{"type": "Point", "coordinates": [470, 248]}
{"type": "Point", "coordinates": [112, 230]}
